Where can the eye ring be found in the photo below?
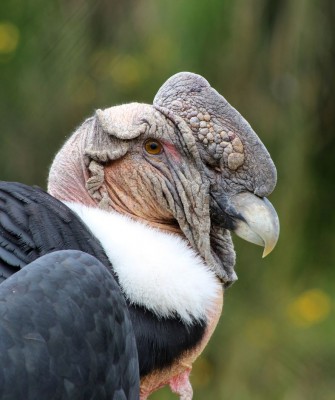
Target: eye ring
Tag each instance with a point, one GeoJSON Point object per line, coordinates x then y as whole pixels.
{"type": "Point", "coordinates": [153, 147]}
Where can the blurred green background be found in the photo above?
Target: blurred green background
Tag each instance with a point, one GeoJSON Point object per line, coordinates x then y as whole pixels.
{"type": "Point", "coordinates": [273, 61]}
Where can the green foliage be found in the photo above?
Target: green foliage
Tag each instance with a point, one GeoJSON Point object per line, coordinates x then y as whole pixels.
{"type": "Point", "coordinates": [274, 61]}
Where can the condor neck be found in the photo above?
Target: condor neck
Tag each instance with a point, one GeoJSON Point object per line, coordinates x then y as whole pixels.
{"type": "Point", "coordinates": [165, 225]}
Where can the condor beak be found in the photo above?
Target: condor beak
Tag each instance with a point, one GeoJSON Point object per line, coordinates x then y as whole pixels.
{"type": "Point", "coordinates": [255, 220]}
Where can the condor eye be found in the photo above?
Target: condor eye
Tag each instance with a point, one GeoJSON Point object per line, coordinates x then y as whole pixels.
{"type": "Point", "coordinates": [153, 147]}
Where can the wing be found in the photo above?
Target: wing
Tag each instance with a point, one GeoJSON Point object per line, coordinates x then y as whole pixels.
{"type": "Point", "coordinates": [65, 332]}
{"type": "Point", "coordinates": [33, 223]}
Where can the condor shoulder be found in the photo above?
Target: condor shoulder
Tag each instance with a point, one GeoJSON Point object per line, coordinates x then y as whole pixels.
{"type": "Point", "coordinates": [33, 223]}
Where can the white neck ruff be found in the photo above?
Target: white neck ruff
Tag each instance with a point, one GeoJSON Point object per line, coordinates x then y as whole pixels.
{"type": "Point", "coordinates": [155, 269]}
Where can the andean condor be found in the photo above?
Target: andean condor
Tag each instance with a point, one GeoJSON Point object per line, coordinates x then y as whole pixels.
{"type": "Point", "coordinates": [131, 244]}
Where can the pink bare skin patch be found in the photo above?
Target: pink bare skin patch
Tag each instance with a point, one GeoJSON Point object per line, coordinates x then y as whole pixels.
{"type": "Point", "coordinates": [181, 385]}
{"type": "Point", "coordinates": [171, 150]}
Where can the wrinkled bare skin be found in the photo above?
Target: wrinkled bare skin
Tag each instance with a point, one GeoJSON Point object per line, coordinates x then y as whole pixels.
{"type": "Point", "coordinates": [131, 192]}
{"type": "Point", "coordinates": [210, 154]}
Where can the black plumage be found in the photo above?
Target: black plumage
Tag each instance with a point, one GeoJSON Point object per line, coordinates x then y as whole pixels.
{"type": "Point", "coordinates": [65, 332]}
{"type": "Point", "coordinates": [161, 341]}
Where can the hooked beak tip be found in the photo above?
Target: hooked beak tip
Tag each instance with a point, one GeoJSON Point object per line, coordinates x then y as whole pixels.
{"type": "Point", "coordinates": [268, 249]}
{"type": "Point", "coordinates": [260, 223]}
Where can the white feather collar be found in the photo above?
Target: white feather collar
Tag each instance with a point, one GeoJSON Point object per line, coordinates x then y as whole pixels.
{"type": "Point", "coordinates": [156, 270]}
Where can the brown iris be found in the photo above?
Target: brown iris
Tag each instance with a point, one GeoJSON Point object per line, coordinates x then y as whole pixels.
{"type": "Point", "coordinates": [153, 147]}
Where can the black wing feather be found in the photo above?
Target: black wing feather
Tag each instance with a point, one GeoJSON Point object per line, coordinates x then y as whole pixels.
{"type": "Point", "coordinates": [65, 332]}
{"type": "Point", "coordinates": [33, 223]}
